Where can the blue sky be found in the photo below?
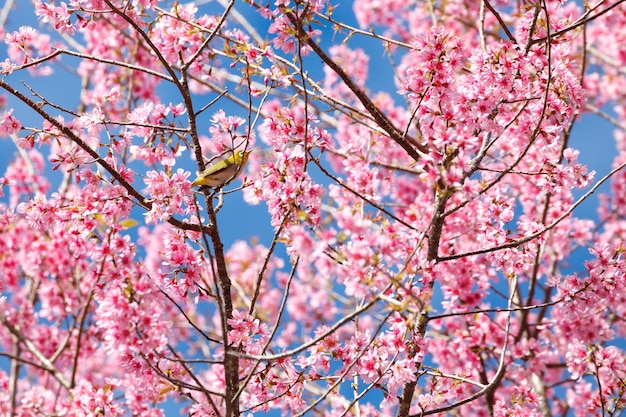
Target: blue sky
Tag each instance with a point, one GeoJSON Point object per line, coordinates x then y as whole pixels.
{"type": "Point", "coordinates": [592, 135]}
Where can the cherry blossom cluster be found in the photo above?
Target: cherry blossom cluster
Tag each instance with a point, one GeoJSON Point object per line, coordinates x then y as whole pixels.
{"type": "Point", "coordinates": [418, 168]}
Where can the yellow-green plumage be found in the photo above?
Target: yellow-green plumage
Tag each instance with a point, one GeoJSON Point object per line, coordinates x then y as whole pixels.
{"type": "Point", "coordinates": [222, 169]}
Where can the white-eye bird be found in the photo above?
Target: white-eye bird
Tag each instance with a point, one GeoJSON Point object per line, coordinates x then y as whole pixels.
{"type": "Point", "coordinates": [222, 169]}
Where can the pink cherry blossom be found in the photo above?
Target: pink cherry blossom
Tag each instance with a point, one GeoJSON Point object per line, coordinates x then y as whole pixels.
{"type": "Point", "coordinates": [428, 223]}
